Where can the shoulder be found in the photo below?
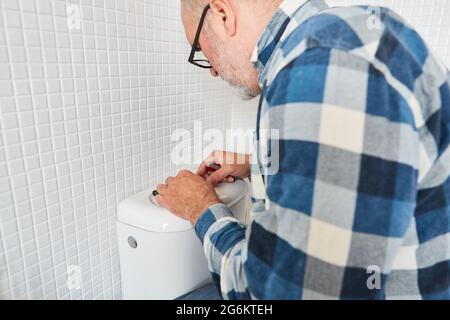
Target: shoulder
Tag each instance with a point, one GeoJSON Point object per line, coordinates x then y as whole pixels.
{"type": "Point", "coordinates": [351, 38]}
{"type": "Point", "coordinates": [354, 27]}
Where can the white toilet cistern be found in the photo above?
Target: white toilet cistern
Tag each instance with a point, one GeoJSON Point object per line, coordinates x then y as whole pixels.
{"type": "Point", "coordinates": [160, 254]}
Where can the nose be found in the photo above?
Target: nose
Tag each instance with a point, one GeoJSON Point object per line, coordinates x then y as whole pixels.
{"type": "Point", "coordinates": [214, 73]}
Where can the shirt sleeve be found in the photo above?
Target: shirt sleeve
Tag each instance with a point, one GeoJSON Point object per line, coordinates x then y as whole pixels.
{"type": "Point", "coordinates": [342, 200]}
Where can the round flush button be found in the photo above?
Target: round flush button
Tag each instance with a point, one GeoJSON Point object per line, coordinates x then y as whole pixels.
{"type": "Point", "coordinates": [132, 242]}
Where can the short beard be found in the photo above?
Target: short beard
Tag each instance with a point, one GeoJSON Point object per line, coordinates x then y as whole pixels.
{"type": "Point", "coordinates": [236, 75]}
{"type": "Point", "coordinates": [244, 93]}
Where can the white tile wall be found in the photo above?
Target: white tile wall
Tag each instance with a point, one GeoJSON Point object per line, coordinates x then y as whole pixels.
{"type": "Point", "coordinates": [85, 121]}
{"type": "Point", "coordinates": [431, 18]}
{"type": "Point", "coordinates": [243, 117]}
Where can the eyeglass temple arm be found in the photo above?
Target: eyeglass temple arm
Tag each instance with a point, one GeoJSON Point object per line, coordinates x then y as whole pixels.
{"type": "Point", "coordinates": [199, 30]}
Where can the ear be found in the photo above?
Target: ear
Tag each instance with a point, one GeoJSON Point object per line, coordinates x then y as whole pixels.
{"type": "Point", "coordinates": [224, 10]}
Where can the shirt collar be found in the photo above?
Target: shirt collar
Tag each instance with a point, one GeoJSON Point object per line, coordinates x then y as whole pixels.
{"type": "Point", "coordinates": [298, 10]}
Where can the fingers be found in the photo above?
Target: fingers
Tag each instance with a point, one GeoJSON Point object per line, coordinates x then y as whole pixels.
{"type": "Point", "coordinates": [214, 157]}
{"type": "Point", "coordinates": [184, 173]}
{"type": "Point", "coordinates": [168, 180]}
{"type": "Point", "coordinates": [201, 170]}
{"type": "Point", "coordinates": [219, 176]}
{"type": "Point", "coordinates": [161, 201]}
{"type": "Point", "coordinates": [230, 179]}
{"type": "Point", "coordinates": [224, 157]}
{"type": "Point", "coordinates": [161, 188]}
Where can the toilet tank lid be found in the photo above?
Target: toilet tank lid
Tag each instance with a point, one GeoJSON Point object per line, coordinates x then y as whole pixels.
{"type": "Point", "coordinates": [138, 211]}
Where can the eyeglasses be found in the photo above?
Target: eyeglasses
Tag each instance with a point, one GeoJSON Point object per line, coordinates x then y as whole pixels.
{"type": "Point", "coordinates": [202, 63]}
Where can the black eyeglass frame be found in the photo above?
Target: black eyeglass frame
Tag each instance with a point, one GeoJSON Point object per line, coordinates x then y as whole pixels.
{"type": "Point", "coordinates": [196, 62]}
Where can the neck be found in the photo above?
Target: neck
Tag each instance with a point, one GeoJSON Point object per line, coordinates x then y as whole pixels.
{"type": "Point", "coordinates": [276, 29]}
{"type": "Point", "coordinates": [257, 21]}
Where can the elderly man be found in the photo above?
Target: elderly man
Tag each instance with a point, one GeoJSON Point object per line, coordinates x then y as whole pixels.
{"type": "Point", "coordinates": [359, 204]}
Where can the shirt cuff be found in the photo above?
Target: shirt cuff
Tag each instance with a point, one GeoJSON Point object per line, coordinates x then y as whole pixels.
{"type": "Point", "coordinates": [209, 217]}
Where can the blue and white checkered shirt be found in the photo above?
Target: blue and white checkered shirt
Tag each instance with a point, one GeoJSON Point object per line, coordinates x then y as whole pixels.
{"type": "Point", "coordinates": [359, 204]}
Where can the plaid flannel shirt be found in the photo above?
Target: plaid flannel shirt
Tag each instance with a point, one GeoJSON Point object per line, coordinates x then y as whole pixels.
{"type": "Point", "coordinates": [359, 205]}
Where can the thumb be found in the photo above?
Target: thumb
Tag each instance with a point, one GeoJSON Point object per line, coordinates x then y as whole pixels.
{"type": "Point", "coordinates": [218, 176]}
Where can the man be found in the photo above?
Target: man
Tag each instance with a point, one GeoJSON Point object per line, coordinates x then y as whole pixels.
{"type": "Point", "coordinates": [359, 205]}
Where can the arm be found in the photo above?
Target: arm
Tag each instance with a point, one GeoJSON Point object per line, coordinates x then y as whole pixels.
{"type": "Point", "coordinates": [344, 194]}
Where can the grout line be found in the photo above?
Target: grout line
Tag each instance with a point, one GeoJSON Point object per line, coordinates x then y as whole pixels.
{"type": "Point", "coordinates": [77, 120]}
{"type": "Point", "coordinates": [8, 165]}
{"type": "Point", "coordinates": [51, 139]}
{"type": "Point", "coordinates": [85, 218]}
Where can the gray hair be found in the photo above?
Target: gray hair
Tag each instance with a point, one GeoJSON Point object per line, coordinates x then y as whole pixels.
{"type": "Point", "coordinates": [197, 6]}
{"type": "Point", "coordinates": [194, 6]}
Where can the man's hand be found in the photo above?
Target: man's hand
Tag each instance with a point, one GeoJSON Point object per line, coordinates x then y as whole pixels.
{"type": "Point", "coordinates": [233, 165]}
{"type": "Point", "coordinates": [187, 195]}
